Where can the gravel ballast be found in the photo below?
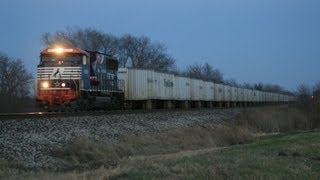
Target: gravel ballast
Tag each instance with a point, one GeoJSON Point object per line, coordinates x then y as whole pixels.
{"type": "Point", "coordinates": [30, 140]}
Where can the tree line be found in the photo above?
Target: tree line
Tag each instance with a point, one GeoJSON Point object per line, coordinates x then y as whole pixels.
{"type": "Point", "coordinates": [16, 83]}
{"type": "Point", "coordinates": [131, 51]}
{"type": "Point", "coordinates": [142, 52]}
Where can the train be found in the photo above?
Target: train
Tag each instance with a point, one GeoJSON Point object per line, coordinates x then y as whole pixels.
{"type": "Point", "coordinates": [69, 78]}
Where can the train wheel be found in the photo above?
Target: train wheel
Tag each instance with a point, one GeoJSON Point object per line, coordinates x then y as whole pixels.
{"type": "Point", "coordinates": [83, 105]}
{"type": "Point", "coordinates": [62, 108]}
{"type": "Point", "coordinates": [68, 109]}
{"type": "Point", "coordinates": [47, 108]}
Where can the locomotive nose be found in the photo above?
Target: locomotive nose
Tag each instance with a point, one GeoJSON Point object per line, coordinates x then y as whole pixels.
{"type": "Point", "coordinates": [56, 97]}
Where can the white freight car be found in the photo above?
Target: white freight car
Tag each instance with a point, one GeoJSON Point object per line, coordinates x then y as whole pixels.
{"type": "Point", "coordinates": [260, 96]}
{"type": "Point", "coordinates": [246, 95]}
{"type": "Point", "coordinates": [163, 86]}
{"type": "Point", "coordinates": [255, 96]}
{"type": "Point", "coordinates": [196, 89]}
{"type": "Point", "coordinates": [227, 93]}
{"type": "Point", "coordinates": [263, 97]}
{"type": "Point", "coordinates": [209, 91]}
{"type": "Point", "coordinates": [218, 92]}
{"type": "Point", "coordinates": [234, 94]}
{"type": "Point", "coordinates": [148, 88]}
{"type": "Point", "coordinates": [251, 95]}
{"type": "Point", "coordinates": [182, 88]}
{"type": "Point", "coordinates": [240, 95]}
{"type": "Point", "coordinates": [138, 84]}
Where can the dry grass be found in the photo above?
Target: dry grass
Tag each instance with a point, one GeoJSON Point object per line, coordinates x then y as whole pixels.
{"type": "Point", "coordinates": [8, 168]}
{"type": "Point", "coordinates": [84, 153]}
{"type": "Point", "coordinates": [125, 165]}
{"type": "Point", "coordinates": [211, 135]}
{"type": "Point", "coordinates": [277, 119]}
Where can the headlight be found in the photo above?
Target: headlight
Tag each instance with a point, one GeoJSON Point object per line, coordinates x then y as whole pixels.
{"type": "Point", "coordinates": [63, 84]}
{"type": "Point", "coordinates": [45, 84]}
{"type": "Point", "coordinates": [59, 50]}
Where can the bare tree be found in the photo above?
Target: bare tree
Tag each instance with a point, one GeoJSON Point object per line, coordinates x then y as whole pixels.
{"type": "Point", "coordinates": [266, 87]}
{"type": "Point", "coordinates": [205, 72]}
{"type": "Point", "coordinates": [141, 52]}
{"type": "Point", "coordinates": [304, 91]}
{"type": "Point", "coordinates": [316, 96]}
{"type": "Point", "coordinates": [126, 49]}
{"type": "Point", "coordinates": [15, 80]}
{"type": "Point", "coordinates": [110, 44]}
{"type": "Point", "coordinates": [273, 88]}
{"type": "Point", "coordinates": [132, 51]}
{"type": "Point", "coordinates": [15, 83]}
{"type": "Point", "coordinates": [316, 86]}
{"type": "Point", "coordinates": [259, 86]}
{"type": "Point", "coordinates": [231, 82]}
{"type": "Point", "coordinates": [88, 39]}
{"type": "Point", "coordinates": [59, 38]}
{"type": "Point", "coordinates": [194, 71]}
{"type": "Point", "coordinates": [247, 86]}
{"type": "Point", "coordinates": [158, 58]}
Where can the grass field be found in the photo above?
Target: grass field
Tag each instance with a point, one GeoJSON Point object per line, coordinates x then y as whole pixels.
{"type": "Point", "coordinates": [291, 156]}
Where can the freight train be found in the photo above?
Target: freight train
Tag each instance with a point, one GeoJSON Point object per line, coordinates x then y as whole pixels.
{"type": "Point", "coordinates": [75, 79]}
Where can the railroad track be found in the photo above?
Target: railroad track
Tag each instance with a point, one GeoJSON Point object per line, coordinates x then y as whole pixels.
{"type": "Point", "coordinates": [10, 116]}
{"type": "Point", "coordinates": [29, 115]}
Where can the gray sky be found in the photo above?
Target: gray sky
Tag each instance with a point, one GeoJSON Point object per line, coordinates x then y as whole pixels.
{"type": "Point", "coordinates": [272, 41]}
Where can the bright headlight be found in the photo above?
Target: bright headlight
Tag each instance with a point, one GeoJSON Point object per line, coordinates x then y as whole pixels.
{"type": "Point", "coordinates": [63, 84]}
{"type": "Point", "coordinates": [45, 84]}
{"type": "Point", "coordinates": [59, 50]}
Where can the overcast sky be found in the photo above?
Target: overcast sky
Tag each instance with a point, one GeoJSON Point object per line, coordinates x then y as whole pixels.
{"type": "Point", "coordinates": [272, 41]}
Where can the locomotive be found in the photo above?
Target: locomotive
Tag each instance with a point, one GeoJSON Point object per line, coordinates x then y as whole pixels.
{"type": "Point", "coordinates": [70, 78]}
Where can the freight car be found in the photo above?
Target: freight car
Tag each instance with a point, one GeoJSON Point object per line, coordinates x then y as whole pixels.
{"type": "Point", "coordinates": [75, 79]}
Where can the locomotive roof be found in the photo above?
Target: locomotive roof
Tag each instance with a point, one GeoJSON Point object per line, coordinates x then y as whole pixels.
{"type": "Point", "coordinates": [72, 50]}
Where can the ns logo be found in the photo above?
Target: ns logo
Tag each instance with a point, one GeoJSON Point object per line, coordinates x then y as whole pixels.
{"type": "Point", "coordinates": [56, 73]}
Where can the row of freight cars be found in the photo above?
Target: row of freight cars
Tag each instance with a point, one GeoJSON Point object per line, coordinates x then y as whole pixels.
{"type": "Point", "coordinates": [151, 89]}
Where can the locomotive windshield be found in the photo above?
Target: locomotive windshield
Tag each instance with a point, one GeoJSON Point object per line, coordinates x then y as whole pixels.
{"type": "Point", "coordinates": [60, 60]}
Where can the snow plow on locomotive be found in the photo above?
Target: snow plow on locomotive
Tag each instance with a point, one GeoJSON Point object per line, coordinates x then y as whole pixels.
{"type": "Point", "coordinates": [75, 79]}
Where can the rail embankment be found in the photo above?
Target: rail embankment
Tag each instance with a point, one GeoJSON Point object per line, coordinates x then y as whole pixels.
{"type": "Point", "coordinates": [93, 156]}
